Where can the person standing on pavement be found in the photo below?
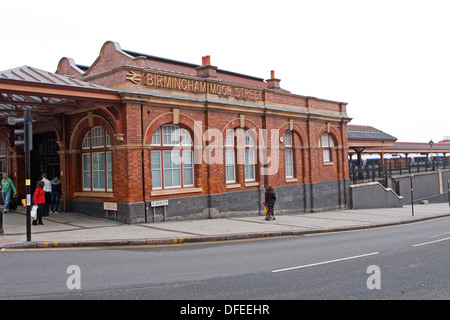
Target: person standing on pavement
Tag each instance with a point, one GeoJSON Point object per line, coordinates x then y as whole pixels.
{"type": "Point", "coordinates": [48, 193]}
{"type": "Point", "coordinates": [39, 200]}
{"type": "Point", "coordinates": [56, 194]}
{"type": "Point", "coordinates": [7, 187]}
{"type": "Point", "coordinates": [270, 199]}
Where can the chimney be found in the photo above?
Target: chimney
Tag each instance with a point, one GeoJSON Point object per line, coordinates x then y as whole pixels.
{"type": "Point", "coordinates": [273, 83]}
{"type": "Point", "coordinates": [206, 70]}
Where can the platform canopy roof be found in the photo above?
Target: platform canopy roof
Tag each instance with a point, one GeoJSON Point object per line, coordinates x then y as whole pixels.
{"type": "Point", "coordinates": [362, 137]}
{"type": "Point", "coordinates": [415, 147]}
{"type": "Point", "coordinates": [47, 93]}
{"type": "Point", "coordinates": [367, 139]}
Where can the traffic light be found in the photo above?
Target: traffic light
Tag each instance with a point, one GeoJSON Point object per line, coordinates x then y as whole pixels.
{"type": "Point", "coordinates": [26, 133]}
{"type": "Point", "coordinates": [27, 143]}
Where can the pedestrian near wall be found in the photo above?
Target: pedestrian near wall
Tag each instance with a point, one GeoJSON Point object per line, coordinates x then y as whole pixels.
{"type": "Point", "coordinates": [48, 193]}
{"type": "Point", "coordinates": [39, 200]}
{"type": "Point", "coordinates": [56, 194]}
{"type": "Point", "coordinates": [270, 199]}
{"type": "Point", "coordinates": [7, 187]}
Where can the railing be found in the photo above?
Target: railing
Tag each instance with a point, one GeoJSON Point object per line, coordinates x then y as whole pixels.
{"type": "Point", "coordinates": [376, 172]}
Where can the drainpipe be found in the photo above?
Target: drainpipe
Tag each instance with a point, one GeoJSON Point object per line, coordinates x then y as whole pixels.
{"type": "Point", "coordinates": [143, 164]}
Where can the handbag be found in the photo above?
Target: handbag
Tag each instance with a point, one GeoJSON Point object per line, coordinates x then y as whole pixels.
{"type": "Point", "coordinates": [34, 210]}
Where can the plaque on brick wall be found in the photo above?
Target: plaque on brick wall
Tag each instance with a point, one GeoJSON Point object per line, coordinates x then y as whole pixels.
{"type": "Point", "coordinates": [110, 206]}
{"type": "Point", "coordinates": [160, 203]}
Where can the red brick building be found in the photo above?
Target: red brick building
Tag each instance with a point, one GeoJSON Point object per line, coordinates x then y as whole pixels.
{"type": "Point", "coordinates": [205, 139]}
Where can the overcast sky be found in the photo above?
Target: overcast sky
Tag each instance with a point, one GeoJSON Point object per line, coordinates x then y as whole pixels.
{"type": "Point", "coordinates": [389, 60]}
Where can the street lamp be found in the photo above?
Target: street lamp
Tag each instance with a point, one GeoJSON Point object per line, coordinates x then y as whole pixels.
{"type": "Point", "coordinates": [431, 142]}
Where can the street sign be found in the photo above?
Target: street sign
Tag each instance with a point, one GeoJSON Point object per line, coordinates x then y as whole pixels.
{"type": "Point", "coordinates": [159, 203]}
{"type": "Point", "coordinates": [110, 206]}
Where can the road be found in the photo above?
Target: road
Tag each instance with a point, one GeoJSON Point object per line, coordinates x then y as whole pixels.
{"type": "Point", "coordinates": [412, 260]}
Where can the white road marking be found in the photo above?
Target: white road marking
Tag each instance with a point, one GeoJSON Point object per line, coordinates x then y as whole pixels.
{"type": "Point", "coordinates": [425, 243]}
{"type": "Point", "coordinates": [325, 262]}
{"type": "Point", "coordinates": [441, 234]}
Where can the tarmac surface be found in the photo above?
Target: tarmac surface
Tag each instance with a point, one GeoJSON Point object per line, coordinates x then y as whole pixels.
{"type": "Point", "coordinates": [66, 229]}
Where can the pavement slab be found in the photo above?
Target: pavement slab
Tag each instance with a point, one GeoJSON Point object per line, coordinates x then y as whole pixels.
{"type": "Point", "coordinates": [75, 229]}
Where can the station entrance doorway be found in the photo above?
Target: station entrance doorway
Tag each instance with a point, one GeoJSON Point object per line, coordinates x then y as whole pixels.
{"type": "Point", "coordinates": [44, 157]}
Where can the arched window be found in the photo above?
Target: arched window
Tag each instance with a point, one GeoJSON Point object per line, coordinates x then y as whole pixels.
{"type": "Point", "coordinates": [233, 140]}
{"type": "Point", "coordinates": [249, 158]}
{"type": "Point", "coordinates": [230, 163]}
{"type": "Point", "coordinates": [97, 161]}
{"type": "Point", "coordinates": [288, 155]}
{"type": "Point", "coordinates": [3, 159]}
{"type": "Point", "coordinates": [326, 142]}
{"type": "Point", "coordinates": [172, 161]}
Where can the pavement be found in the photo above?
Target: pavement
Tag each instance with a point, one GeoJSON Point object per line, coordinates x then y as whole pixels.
{"type": "Point", "coordinates": [66, 229]}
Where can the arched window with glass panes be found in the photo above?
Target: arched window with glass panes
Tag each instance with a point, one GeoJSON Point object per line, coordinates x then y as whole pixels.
{"type": "Point", "coordinates": [326, 142]}
{"type": "Point", "coordinates": [172, 162]}
{"type": "Point", "coordinates": [288, 155]}
{"type": "Point", "coordinates": [97, 160]}
{"type": "Point", "coordinates": [231, 156]}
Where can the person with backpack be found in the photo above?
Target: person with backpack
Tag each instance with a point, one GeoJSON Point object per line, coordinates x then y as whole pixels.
{"type": "Point", "coordinates": [269, 200]}
{"type": "Point", "coordinates": [7, 187]}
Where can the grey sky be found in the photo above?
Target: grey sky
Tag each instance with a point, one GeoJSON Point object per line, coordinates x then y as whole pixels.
{"type": "Point", "coordinates": [390, 60]}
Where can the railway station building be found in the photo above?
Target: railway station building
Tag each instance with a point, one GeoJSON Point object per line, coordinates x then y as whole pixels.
{"type": "Point", "coordinates": [153, 139]}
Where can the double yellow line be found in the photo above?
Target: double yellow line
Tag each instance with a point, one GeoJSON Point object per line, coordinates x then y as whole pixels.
{"type": "Point", "coordinates": [177, 242]}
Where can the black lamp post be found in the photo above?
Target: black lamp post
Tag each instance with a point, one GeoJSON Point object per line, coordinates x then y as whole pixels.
{"type": "Point", "coordinates": [431, 142]}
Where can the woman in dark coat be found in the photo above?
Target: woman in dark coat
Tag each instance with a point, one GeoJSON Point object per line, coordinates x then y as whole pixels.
{"type": "Point", "coordinates": [270, 199]}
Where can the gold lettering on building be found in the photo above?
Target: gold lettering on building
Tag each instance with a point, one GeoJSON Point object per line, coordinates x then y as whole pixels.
{"type": "Point", "coordinates": [192, 85]}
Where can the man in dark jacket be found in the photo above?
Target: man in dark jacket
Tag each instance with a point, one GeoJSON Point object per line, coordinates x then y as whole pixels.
{"type": "Point", "coordinates": [270, 199]}
{"type": "Point", "coordinates": [56, 194]}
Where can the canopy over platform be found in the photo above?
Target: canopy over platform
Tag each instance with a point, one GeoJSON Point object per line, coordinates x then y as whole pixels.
{"type": "Point", "coordinates": [47, 93]}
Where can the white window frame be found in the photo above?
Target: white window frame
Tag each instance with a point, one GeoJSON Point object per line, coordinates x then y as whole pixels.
{"type": "Point", "coordinates": [98, 172]}
{"type": "Point", "coordinates": [92, 147]}
{"type": "Point", "coordinates": [326, 142]}
{"type": "Point", "coordinates": [88, 171]}
{"type": "Point", "coordinates": [230, 162]}
{"type": "Point", "coordinates": [156, 169]}
{"type": "Point", "coordinates": [249, 157]}
{"type": "Point", "coordinates": [178, 138]}
{"type": "Point", "coordinates": [288, 155]}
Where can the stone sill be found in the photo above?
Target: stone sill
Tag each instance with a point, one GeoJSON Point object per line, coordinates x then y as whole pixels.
{"type": "Point", "coordinates": [94, 194]}
{"type": "Point", "coordinates": [175, 191]}
{"type": "Point", "coordinates": [252, 184]}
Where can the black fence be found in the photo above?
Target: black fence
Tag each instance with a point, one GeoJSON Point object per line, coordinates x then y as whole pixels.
{"type": "Point", "coordinates": [376, 172]}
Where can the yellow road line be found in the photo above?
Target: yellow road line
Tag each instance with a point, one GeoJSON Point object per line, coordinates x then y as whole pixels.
{"type": "Point", "coordinates": [143, 246]}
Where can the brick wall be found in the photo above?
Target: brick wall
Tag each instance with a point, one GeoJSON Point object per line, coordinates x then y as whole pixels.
{"type": "Point", "coordinates": [315, 185]}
